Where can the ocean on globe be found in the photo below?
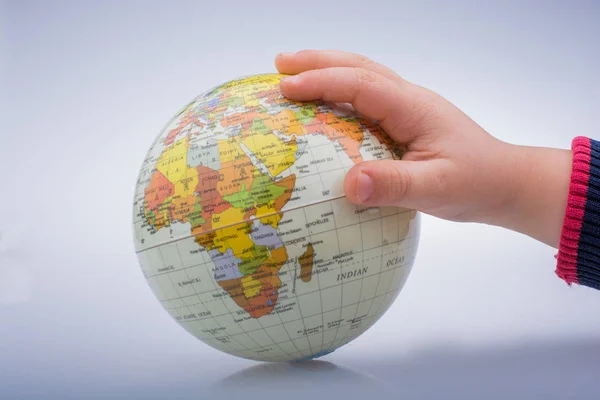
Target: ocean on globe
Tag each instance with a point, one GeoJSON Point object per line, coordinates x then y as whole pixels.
{"type": "Point", "coordinates": [243, 232]}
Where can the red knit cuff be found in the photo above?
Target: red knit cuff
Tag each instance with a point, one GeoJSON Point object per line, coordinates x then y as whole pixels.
{"type": "Point", "coordinates": [568, 249]}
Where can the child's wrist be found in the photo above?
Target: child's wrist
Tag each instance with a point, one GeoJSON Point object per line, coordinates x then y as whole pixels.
{"type": "Point", "coordinates": [508, 164]}
{"type": "Point", "coordinates": [537, 188]}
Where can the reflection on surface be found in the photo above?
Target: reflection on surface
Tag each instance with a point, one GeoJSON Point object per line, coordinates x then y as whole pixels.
{"type": "Point", "coordinates": [549, 370]}
{"type": "Point", "coordinates": [515, 371]}
{"type": "Point", "coordinates": [303, 377]}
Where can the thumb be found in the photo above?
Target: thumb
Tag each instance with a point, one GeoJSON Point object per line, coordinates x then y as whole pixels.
{"type": "Point", "coordinates": [409, 184]}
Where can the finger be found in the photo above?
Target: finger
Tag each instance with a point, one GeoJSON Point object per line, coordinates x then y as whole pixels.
{"type": "Point", "coordinates": [371, 94]}
{"type": "Point", "coordinates": [305, 60]}
{"type": "Point", "coordinates": [409, 184]}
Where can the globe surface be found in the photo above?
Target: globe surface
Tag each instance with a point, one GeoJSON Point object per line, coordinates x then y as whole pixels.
{"type": "Point", "coordinates": [243, 232]}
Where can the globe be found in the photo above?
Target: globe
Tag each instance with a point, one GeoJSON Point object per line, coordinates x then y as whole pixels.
{"type": "Point", "coordinates": [243, 232]}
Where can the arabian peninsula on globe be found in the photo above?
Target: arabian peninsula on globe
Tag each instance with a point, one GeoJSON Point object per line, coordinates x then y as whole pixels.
{"type": "Point", "coordinates": [243, 232]}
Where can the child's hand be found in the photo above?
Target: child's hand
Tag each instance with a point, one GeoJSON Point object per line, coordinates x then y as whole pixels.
{"type": "Point", "coordinates": [453, 168]}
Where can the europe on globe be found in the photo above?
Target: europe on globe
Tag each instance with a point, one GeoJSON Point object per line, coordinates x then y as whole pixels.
{"type": "Point", "coordinates": [243, 232]}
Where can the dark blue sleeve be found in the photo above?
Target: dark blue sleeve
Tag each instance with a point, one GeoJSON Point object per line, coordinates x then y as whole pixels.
{"type": "Point", "coordinates": [578, 259]}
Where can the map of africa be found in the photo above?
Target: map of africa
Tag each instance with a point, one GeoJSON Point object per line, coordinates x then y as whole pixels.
{"type": "Point", "coordinates": [243, 232]}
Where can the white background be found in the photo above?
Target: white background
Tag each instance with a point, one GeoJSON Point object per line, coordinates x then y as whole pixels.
{"type": "Point", "coordinates": [86, 86]}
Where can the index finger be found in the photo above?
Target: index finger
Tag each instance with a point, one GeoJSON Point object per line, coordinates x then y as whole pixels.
{"type": "Point", "coordinates": [305, 60]}
{"type": "Point", "coordinates": [372, 95]}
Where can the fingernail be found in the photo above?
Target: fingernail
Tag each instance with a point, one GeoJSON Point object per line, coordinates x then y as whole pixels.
{"type": "Point", "coordinates": [365, 187]}
{"type": "Point", "coordinates": [291, 79]}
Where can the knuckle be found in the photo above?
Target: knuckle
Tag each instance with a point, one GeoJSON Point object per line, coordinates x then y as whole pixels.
{"type": "Point", "coordinates": [439, 190]}
{"type": "Point", "coordinates": [424, 109]}
{"type": "Point", "coordinates": [364, 78]}
{"type": "Point", "coordinates": [422, 116]}
{"type": "Point", "coordinates": [429, 109]}
{"type": "Point", "coordinates": [441, 181]}
{"type": "Point", "coordinates": [362, 60]}
{"type": "Point", "coordinates": [398, 183]}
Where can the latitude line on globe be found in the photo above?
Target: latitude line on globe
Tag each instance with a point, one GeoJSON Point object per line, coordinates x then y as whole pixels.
{"type": "Point", "coordinates": [324, 260]}
{"type": "Point", "coordinates": [334, 269]}
{"type": "Point", "coordinates": [332, 230]}
{"type": "Point", "coordinates": [391, 291]}
{"type": "Point", "coordinates": [141, 194]}
{"type": "Point", "coordinates": [238, 223]}
{"type": "Point", "coordinates": [299, 319]}
{"type": "Point", "coordinates": [328, 287]}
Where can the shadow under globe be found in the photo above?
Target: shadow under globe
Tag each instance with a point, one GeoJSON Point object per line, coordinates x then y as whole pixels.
{"type": "Point", "coordinates": [302, 377]}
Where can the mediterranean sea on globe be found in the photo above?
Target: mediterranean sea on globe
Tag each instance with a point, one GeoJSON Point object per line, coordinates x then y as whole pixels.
{"type": "Point", "coordinates": [243, 232]}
